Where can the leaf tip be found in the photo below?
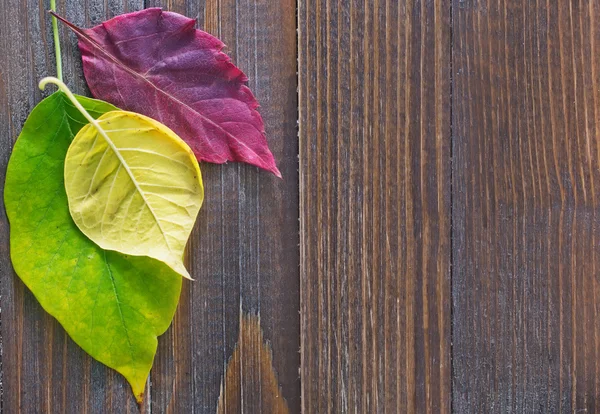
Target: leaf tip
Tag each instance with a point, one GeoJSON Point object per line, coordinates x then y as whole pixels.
{"type": "Point", "coordinates": [276, 171]}
{"type": "Point", "coordinates": [180, 268]}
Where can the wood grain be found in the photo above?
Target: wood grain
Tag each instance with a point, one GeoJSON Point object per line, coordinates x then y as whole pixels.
{"type": "Point", "coordinates": [243, 253]}
{"type": "Point", "coordinates": [439, 142]}
{"type": "Point", "coordinates": [249, 374]}
{"type": "Point", "coordinates": [526, 146]}
{"type": "Point", "coordinates": [374, 99]}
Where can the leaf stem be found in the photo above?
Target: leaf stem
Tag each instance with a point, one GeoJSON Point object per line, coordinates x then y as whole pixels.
{"type": "Point", "coordinates": [63, 88]}
{"type": "Point", "coordinates": [56, 42]}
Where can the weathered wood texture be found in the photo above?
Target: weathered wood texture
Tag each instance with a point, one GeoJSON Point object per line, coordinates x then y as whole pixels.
{"type": "Point", "coordinates": [243, 253]}
{"type": "Point", "coordinates": [252, 357]}
{"type": "Point", "coordinates": [439, 142]}
{"type": "Point", "coordinates": [526, 286]}
{"type": "Point", "coordinates": [374, 95]}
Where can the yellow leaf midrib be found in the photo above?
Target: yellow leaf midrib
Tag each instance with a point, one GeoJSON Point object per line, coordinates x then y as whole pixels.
{"type": "Point", "coordinates": [121, 159]}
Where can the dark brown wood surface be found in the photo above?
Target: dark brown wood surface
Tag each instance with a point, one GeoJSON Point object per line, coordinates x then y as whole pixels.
{"type": "Point", "coordinates": [243, 253]}
{"type": "Point", "coordinates": [437, 251]}
{"type": "Point", "coordinates": [526, 144]}
{"type": "Point", "coordinates": [374, 82]}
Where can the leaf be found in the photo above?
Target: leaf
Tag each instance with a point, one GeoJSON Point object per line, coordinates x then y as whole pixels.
{"type": "Point", "coordinates": [134, 187]}
{"type": "Point", "coordinates": [157, 64]}
{"type": "Point", "coordinates": [112, 305]}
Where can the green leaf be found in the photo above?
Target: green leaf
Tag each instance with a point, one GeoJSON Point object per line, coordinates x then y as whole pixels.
{"type": "Point", "coordinates": [114, 306]}
{"type": "Point", "coordinates": [134, 187]}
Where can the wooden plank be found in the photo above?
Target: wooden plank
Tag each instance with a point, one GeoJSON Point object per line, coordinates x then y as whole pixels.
{"type": "Point", "coordinates": [243, 253]}
{"type": "Point", "coordinates": [526, 283]}
{"type": "Point", "coordinates": [374, 85]}
{"type": "Point", "coordinates": [252, 357]}
{"type": "Point", "coordinates": [43, 370]}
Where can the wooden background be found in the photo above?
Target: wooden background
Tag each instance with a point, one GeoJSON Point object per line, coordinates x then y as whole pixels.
{"type": "Point", "coordinates": [433, 246]}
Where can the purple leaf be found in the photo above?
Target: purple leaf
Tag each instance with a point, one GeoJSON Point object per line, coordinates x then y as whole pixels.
{"type": "Point", "coordinates": [156, 63]}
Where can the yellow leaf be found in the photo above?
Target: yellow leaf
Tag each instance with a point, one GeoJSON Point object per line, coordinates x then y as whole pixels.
{"type": "Point", "coordinates": [133, 186]}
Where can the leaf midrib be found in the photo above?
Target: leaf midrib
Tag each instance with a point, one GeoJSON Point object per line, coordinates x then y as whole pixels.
{"type": "Point", "coordinates": [115, 150]}
{"type": "Point", "coordinates": [114, 286]}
